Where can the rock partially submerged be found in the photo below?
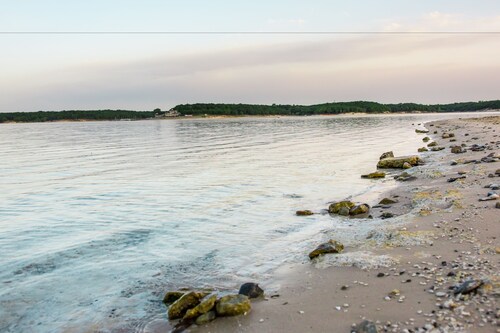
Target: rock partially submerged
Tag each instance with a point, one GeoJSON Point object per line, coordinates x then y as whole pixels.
{"type": "Point", "coordinates": [331, 246]}
{"type": "Point", "coordinates": [339, 207]}
{"type": "Point", "coordinates": [188, 301]}
{"type": "Point", "coordinates": [172, 296]}
{"type": "Point", "coordinates": [374, 175]}
{"type": "Point", "coordinates": [398, 162]}
{"type": "Point", "coordinates": [205, 305]}
{"type": "Point", "coordinates": [252, 290]}
{"type": "Point", "coordinates": [233, 305]}
{"type": "Point", "coordinates": [359, 209]}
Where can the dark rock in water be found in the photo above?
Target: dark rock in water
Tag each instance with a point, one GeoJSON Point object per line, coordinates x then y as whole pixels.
{"type": "Point", "coordinates": [387, 201]}
{"type": "Point", "coordinates": [422, 150]}
{"type": "Point", "coordinates": [366, 326]}
{"type": "Point", "coordinates": [188, 301]}
{"type": "Point", "coordinates": [330, 247]}
{"type": "Point", "coordinates": [467, 287]}
{"type": "Point", "coordinates": [386, 155]}
{"type": "Point", "coordinates": [374, 175]}
{"type": "Point", "coordinates": [359, 209]}
{"type": "Point", "coordinates": [172, 296]}
{"type": "Point", "coordinates": [252, 290]}
{"type": "Point", "coordinates": [457, 150]}
{"type": "Point", "coordinates": [205, 305]}
{"type": "Point", "coordinates": [233, 305]}
{"type": "Point", "coordinates": [304, 213]}
{"type": "Point", "coordinates": [387, 215]}
{"type": "Point", "coordinates": [335, 207]}
{"type": "Point", "coordinates": [398, 162]}
{"type": "Point", "coordinates": [205, 318]}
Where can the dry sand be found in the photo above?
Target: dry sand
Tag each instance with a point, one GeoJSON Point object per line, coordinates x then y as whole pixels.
{"type": "Point", "coordinates": [447, 237]}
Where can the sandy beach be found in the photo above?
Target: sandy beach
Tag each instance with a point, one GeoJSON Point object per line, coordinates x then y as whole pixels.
{"type": "Point", "coordinates": [405, 278]}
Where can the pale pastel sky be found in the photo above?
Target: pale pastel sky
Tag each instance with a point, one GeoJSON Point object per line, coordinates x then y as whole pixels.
{"type": "Point", "coordinates": [55, 72]}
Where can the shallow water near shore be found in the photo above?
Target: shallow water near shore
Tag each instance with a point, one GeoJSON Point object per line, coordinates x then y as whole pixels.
{"type": "Point", "coordinates": [98, 219]}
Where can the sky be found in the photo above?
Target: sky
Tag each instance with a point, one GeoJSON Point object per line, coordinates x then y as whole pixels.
{"type": "Point", "coordinates": [144, 71]}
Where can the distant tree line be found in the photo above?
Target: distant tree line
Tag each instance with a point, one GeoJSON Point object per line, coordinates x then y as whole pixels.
{"type": "Point", "coordinates": [329, 108]}
{"type": "Point", "coordinates": [42, 116]}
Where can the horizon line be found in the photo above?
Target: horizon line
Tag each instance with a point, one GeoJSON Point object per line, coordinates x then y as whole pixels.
{"type": "Point", "coordinates": [249, 32]}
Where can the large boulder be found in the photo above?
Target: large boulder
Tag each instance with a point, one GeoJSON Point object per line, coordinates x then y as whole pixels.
{"type": "Point", "coordinates": [188, 301]}
{"type": "Point", "coordinates": [386, 155]}
{"type": "Point", "coordinates": [374, 175]}
{"type": "Point", "coordinates": [233, 305]}
{"type": "Point", "coordinates": [335, 208]}
{"type": "Point", "coordinates": [252, 290]}
{"type": "Point", "coordinates": [331, 246]}
{"type": "Point", "coordinates": [205, 305]}
{"type": "Point", "coordinates": [359, 209]}
{"type": "Point", "coordinates": [398, 162]}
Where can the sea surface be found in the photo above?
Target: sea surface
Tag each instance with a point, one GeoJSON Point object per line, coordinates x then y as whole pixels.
{"type": "Point", "coordinates": [99, 219]}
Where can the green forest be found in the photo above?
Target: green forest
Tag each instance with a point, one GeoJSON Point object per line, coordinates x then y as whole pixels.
{"type": "Point", "coordinates": [209, 109]}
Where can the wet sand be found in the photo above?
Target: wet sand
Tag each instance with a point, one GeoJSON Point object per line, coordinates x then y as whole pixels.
{"type": "Point", "coordinates": [402, 276]}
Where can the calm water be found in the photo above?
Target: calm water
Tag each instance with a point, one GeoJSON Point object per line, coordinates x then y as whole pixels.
{"type": "Point", "coordinates": [98, 219]}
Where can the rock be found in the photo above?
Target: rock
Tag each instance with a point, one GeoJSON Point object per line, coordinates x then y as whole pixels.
{"type": "Point", "coordinates": [448, 135]}
{"type": "Point", "coordinates": [457, 150]}
{"type": "Point", "coordinates": [454, 179]}
{"type": "Point", "coordinates": [188, 301]}
{"type": "Point", "coordinates": [398, 162]}
{"type": "Point", "coordinates": [205, 305]}
{"type": "Point", "coordinates": [497, 205]}
{"type": "Point", "coordinates": [366, 326]}
{"type": "Point", "coordinates": [422, 150]}
{"type": "Point", "coordinates": [359, 209]}
{"type": "Point", "coordinates": [437, 148]}
{"type": "Point", "coordinates": [233, 305]}
{"type": "Point", "coordinates": [492, 196]}
{"type": "Point", "coordinates": [467, 287]}
{"type": "Point", "coordinates": [335, 207]}
{"type": "Point", "coordinates": [453, 162]}
{"type": "Point", "coordinates": [432, 144]}
{"type": "Point", "coordinates": [426, 139]}
{"type": "Point", "coordinates": [172, 296]}
{"type": "Point", "coordinates": [374, 175]}
{"type": "Point", "coordinates": [421, 131]}
{"type": "Point", "coordinates": [252, 290]}
{"type": "Point", "coordinates": [304, 213]}
{"type": "Point", "coordinates": [404, 177]}
{"type": "Point", "coordinates": [493, 186]}
{"type": "Point", "coordinates": [344, 211]}
{"type": "Point", "coordinates": [497, 172]}
{"type": "Point", "coordinates": [386, 155]}
{"type": "Point", "coordinates": [387, 215]}
{"type": "Point", "coordinates": [205, 318]}
{"type": "Point", "coordinates": [387, 201]}
{"type": "Point", "coordinates": [329, 247]}
{"type": "Point", "coordinates": [406, 165]}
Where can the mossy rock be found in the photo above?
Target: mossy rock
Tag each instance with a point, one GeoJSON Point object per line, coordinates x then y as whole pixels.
{"type": "Point", "coordinates": [336, 207]}
{"type": "Point", "coordinates": [406, 165]}
{"type": "Point", "coordinates": [359, 209]}
{"type": "Point", "coordinates": [374, 175]}
{"type": "Point", "coordinates": [437, 148]}
{"type": "Point", "coordinates": [386, 155]}
{"type": "Point", "coordinates": [457, 150]}
{"type": "Point", "coordinates": [422, 150]}
{"type": "Point", "coordinates": [331, 246]}
{"type": "Point", "coordinates": [303, 213]}
{"type": "Point", "coordinates": [387, 201]}
{"type": "Point", "coordinates": [205, 305]}
{"type": "Point", "coordinates": [426, 139]}
{"type": "Point", "coordinates": [233, 305]}
{"type": "Point", "coordinates": [421, 131]}
{"type": "Point", "coordinates": [432, 144]}
{"type": "Point", "coordinates": [172, 296]}
{"type": "Point", "coordinates": [448, 135]}
{"type": "Point", "coordinates": [188, 301]}
{"type": "Point", "coordinates": [205, 318]}
{"type": "Point", "coordinates": [252, 290]}
{"type": "Point", "coordinates": [398, 162]}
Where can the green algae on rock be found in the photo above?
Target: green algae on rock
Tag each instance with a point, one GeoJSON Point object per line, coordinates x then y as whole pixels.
{"type": "Point", "coordinates": [205, 305]}
{"type": "Point", "coordinates": [172, 296]}
{"type": "Point", "coordinates": [331, 246]}
{"type": "Point", "coordinates": [359, 209]}
{"type": "Point", "coordinates": [233, 305]}
{"type": "Point", "coordinates": [304, 213]}
{"type": "Point", "coordinates": [205, 318]}
{"type": "Point", "coordinates": [387, 201]}
{"type": "Point", "coordinates": [398, 162]}
{"type": "Point", "coordinates": [188, 301]}
{"type": "Point", "coordinates": [374, 175]}
{"type": "Point", "coordinates": [335, 208]}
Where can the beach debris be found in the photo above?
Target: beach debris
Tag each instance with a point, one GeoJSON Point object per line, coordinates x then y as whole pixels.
{"type": "Point", "coordinates": [374, 175]}
{"type": "Point", "coordinates": [490, 196]}
{"type": "Point", "coordinates": [365, 326]}
{"type": "Point", "coordinates": [331, 246]}
{"type": "Point", "coordinates": [387, 201]}
{"type": "Point", "coordinates": [386, 155]}
{"type": "Point", "coordinates": [422, 150]}
{"type": "Point", "coordinates": [304, 213]}
{"type": "Point", "coordinates": [467, 287]}
{"type": "Point", "coordinates": [252, 290]}
{"type": "Point", "coordinates": [233, 305]}
{"type": "Point", "coordinates": [172, 296]}
{"type": "Point", "coordinates": [493, 186]}
{"type": "Point", "coordinates": [359, 209]}
{"type": "Point", "coordinates": [189, 300]}
{"type": "Point", "coordinates": [398, 162]}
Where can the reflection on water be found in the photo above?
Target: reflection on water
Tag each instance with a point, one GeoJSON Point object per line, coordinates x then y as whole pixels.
{"type": "Point", "coordinates": [97, 219]}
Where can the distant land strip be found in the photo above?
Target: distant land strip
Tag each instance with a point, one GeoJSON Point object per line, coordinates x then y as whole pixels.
{"type": "Point", "coordinates": [249, 32]}
{"type": "Point", "coordinates": [214, 109]}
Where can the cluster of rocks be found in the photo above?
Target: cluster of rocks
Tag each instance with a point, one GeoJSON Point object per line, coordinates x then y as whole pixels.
{"type": "Point", "coordinates": [201, 307]}
{"type": "Point", "coordinates": [348, 208]}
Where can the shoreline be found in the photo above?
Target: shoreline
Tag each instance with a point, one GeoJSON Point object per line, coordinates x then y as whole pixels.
{"type": "Point", "coordinates": [445, 237]}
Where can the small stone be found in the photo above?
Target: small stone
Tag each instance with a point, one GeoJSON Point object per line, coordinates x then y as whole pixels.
{"type": "Point", "coordinates": [304, 213]}
{"type": "Point", "coordinates": [252, 290]}
{"type": "Point", "coordinates": [331, 246]}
